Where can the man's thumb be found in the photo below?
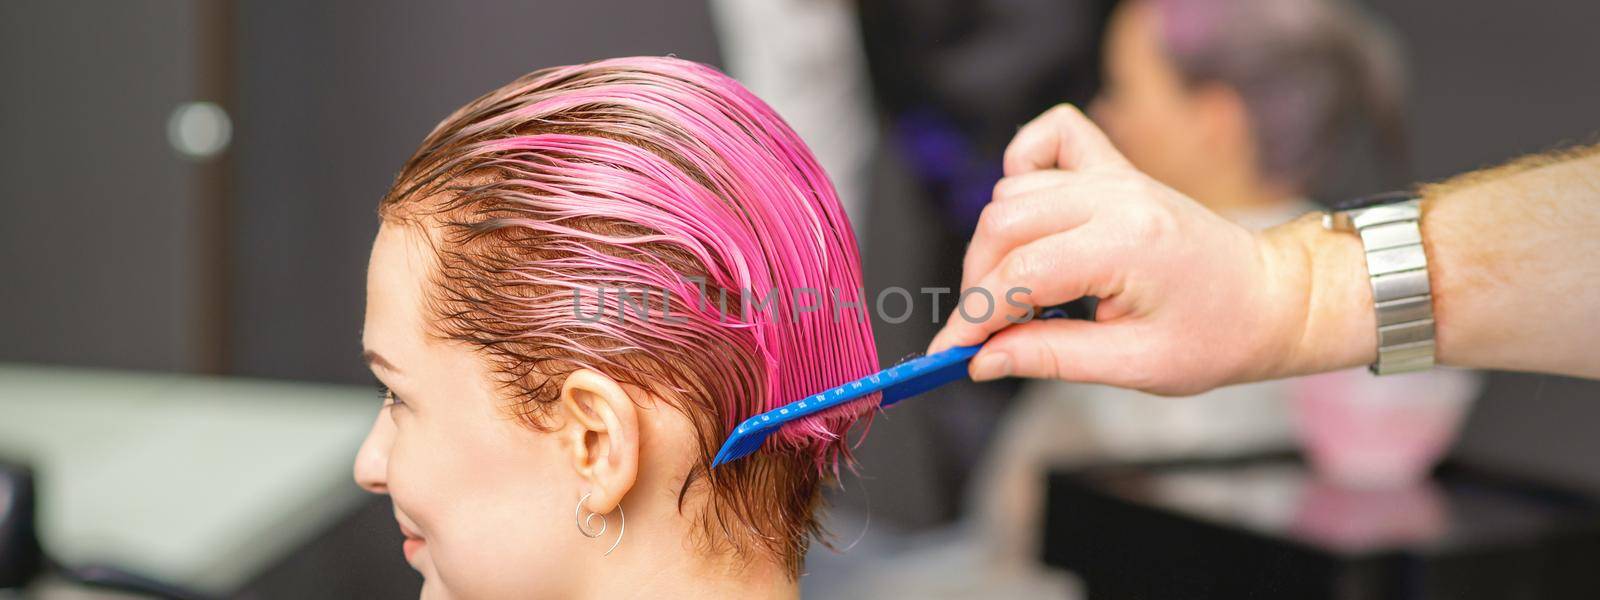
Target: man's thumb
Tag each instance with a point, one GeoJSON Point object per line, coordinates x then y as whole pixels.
{"type": "Point", "coordinates": [1063, 349]}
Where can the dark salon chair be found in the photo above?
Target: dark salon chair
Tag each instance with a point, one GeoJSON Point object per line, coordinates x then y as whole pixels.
{"type": "Point", "coordinates": [20, 556]}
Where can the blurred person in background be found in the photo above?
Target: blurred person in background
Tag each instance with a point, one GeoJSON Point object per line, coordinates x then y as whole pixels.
{"type": "Point", "coordinates": [1241, 105]}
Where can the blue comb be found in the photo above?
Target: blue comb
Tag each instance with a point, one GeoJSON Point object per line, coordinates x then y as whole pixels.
{"type": "Point", "coordinates": [897, 383]}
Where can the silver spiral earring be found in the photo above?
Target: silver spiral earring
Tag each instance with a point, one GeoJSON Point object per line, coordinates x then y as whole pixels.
{"type": "Point", "coordinates": [587, 523]}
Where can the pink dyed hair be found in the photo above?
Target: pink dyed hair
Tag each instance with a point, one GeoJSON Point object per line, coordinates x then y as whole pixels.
{"type": "Point", "coordinates": [658, 174]}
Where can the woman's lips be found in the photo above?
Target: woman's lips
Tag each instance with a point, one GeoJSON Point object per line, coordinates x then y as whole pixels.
{"type": "Point", "coordinates": [414, 543]}
{"type": "Point", "coordinates": [411, 547]}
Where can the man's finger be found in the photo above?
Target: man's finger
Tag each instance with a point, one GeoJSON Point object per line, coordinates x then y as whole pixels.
{"type": "Point", "coordinates": [1009, 188]}
{"type": "Point", "coordinates": [1020, 220]}
{"type": "Point", "coordinates": [1061, 138]}
{"type": "Point", "coordinates": [1049, 271]}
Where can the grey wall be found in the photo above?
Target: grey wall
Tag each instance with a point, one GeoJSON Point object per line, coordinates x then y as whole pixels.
{"type": "Point", "coordinates": [334, 97]}
{"type": "Point", "coordinates": [97, 235]}
{"type": "Point", "coordinates": [1491, 80]}
{"type": "Point", "coordinates": [1539, 426]}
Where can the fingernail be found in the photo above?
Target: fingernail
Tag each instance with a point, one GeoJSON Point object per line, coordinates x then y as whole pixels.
{"type": "Point", "coordinates": [991, 366]}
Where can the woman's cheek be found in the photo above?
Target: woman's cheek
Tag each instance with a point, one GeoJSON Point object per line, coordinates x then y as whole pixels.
{"type": "Point", "coordinates": [411, 482]}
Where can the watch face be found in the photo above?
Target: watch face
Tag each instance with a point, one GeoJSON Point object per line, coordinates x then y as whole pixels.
{"type": "Point", "coordinates": [1375, 200]}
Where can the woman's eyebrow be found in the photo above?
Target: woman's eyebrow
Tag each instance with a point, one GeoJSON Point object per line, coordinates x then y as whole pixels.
{"type": "Point", "coordinates": [374, 359]}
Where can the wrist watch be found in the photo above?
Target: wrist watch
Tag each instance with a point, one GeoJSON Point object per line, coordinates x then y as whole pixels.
{"type": "Point", "coordinates": [1398, 269]}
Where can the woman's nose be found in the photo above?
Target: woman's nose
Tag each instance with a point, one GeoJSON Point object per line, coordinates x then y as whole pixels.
{"type": "Point", "coordinates": [372, 461]}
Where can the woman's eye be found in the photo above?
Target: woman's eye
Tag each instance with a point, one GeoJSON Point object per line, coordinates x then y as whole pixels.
{"type": "Point", "coordinates": [389, 397]}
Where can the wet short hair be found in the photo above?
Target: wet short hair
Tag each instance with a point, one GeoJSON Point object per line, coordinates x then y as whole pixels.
{"type": "Point", "coordinates": [667, 176]}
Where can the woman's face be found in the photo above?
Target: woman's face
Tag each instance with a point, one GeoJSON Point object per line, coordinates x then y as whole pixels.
{"type": "Point", "coordinates": [1144, 105]}
{"type": "Point", "coordinates": [485, 502]}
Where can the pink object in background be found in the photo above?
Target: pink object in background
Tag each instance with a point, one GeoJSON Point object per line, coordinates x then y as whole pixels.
{"type": "Point", "coordinates": [1358, 520]}
{"type": "Point", "coordinates": [1366, 432]}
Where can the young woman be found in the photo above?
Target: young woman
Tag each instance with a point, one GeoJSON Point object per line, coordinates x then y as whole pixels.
{"type": "Point", "coordinates": [583, 280]}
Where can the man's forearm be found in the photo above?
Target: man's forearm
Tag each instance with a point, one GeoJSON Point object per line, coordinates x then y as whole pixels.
{"type": "Point", "coordinates": [1514, 258]}
{"type": "Point", "coordinates": [1514, 266]}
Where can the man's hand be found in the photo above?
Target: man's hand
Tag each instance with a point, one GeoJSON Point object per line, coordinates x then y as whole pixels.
{"type": "Point", "coordinates": [1189, 301]}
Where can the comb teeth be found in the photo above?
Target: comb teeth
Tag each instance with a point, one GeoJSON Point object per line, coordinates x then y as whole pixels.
{"type": "Point", "coordinates": [922, 373]}
{"type": "Point", "coordinates": [745, 440]}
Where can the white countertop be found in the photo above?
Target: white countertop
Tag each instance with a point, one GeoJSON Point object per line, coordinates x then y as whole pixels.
{"type": "Point", "coordinates": [198, 481]}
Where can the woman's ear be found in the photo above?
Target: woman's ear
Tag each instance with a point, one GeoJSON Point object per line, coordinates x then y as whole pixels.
{"type": "Point", "coordinates": [601, 432]}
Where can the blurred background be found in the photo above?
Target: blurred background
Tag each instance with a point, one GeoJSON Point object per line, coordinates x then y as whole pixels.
{"type": "Point", "coordinates": [187, 200]}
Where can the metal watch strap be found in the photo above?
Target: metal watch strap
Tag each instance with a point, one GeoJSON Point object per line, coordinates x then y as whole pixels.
{"type": "Point", "coordinates": [1398, 269]}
